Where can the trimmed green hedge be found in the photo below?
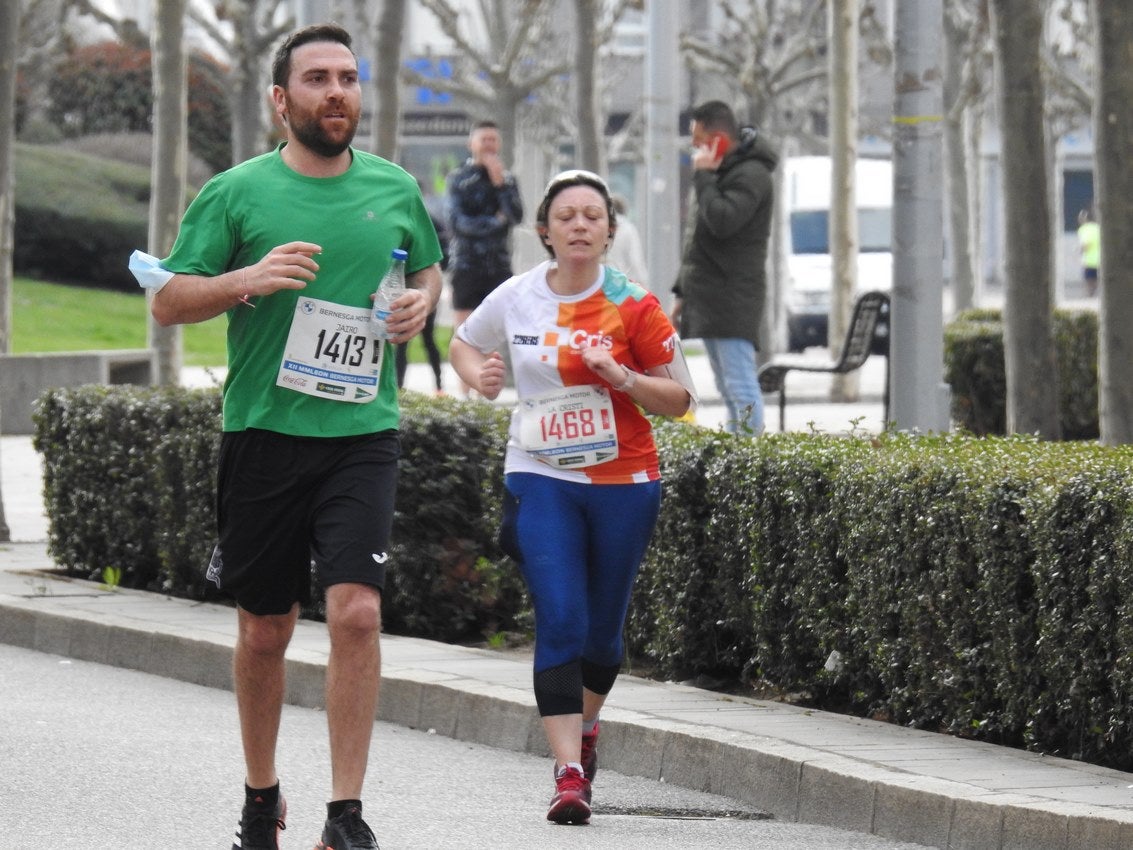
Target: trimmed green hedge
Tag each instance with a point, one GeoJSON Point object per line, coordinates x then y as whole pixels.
{"type": "Point", "coordinates": [451, 581]}
{"type": "Point", "coordinates": [130, 478]}
{"type": "Point", "coordinates": [78, 217]}
{"type": "Point", "coordinates": [974, 367]}
{"type": "Point", "coordinates": [982, 587]}
{"type": "Point", "coordinates": [105, 488]}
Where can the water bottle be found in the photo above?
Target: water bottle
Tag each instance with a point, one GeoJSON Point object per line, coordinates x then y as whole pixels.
{"type": "Point", "coordinates": [389, 290]}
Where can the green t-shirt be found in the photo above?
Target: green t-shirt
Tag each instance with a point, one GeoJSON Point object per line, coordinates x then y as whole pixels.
{"type": "Point", "coordinates": [358, 218]}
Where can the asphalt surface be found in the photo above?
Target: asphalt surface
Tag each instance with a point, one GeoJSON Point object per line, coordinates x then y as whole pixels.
{"type": "Point", "coordinates": [102, 757]}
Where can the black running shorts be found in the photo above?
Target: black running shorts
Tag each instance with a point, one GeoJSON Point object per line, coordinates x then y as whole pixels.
{"type": "Point", "coordinates": [287, 505]}
{"type": "Point", "coordinates": [472, 286]}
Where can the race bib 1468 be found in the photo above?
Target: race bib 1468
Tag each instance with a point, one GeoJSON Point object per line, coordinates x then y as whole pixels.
{"type": "Point", "coordinates": [569, 428]}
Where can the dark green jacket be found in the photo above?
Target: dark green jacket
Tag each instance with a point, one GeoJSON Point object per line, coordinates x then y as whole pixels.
{"type": "Point", "coordinates": [723, 276]}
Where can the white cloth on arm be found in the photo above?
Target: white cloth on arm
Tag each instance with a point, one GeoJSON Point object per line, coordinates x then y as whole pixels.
{"type": "Point", "coordinates": [148, 271]}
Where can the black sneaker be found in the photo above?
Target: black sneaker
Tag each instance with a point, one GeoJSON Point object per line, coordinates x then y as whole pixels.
{"type": "Point", "coordinates": [260, 825]}
{"type": "Point", "coordinates": [347, 832]}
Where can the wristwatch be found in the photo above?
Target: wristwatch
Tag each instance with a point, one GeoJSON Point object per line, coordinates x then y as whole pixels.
{"type": "Point", "coordinates": [631, 379]}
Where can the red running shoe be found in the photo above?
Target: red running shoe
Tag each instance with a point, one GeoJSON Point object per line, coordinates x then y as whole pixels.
{"type": "Point", "coordinates": [572, 793]}
{"type": "Point", "coordinates": [590, 753]}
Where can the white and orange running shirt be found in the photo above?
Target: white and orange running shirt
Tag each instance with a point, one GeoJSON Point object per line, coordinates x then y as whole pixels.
{"type": "Point", "coordinates": [545, 334]}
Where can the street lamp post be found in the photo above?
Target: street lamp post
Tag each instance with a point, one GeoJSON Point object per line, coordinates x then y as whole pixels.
{"type": "Point", "coordinates": [662, 111]}
{"type": "Point", "coordinates": [920, 398]}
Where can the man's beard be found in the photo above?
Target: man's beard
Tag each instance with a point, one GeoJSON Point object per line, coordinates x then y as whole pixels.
{"type": "Point", "coordinates": [308, 131]}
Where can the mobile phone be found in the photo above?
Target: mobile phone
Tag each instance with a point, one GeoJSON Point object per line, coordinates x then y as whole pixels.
{"type": "Point", "coordinates": [720, 145]}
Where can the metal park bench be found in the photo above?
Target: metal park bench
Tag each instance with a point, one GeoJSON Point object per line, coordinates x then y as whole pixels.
{"type": "Point", "coordinates": [868, 312]}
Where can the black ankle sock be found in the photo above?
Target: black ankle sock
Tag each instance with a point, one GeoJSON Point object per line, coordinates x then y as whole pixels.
{"type": "Point", "coordinates": [339, 807]}
{"type": "Point", "coordinates": [262, 796]}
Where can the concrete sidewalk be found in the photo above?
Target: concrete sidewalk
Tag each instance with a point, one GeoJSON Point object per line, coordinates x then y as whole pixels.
{"type": "Point", "coordinates": [808, 394]}
{"type": "Point", "coordinates": [797, 764]}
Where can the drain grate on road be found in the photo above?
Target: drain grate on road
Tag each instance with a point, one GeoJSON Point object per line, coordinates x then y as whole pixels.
{"type": "Point", "coordinates": [671, 813]}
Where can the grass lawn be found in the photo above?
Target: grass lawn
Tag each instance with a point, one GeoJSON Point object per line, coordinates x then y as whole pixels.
{"type": "Point", "coordinates": [56, 317]}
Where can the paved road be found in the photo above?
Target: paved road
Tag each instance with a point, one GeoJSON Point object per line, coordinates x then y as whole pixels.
{"type": "Point", "coordinates": [101, 757]}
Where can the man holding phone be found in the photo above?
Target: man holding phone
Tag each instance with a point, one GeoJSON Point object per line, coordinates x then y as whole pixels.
{"type": "Point", "coordinates": [722, 284]}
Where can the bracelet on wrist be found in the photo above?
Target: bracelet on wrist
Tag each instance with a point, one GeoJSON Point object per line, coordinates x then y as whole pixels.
{"type": "Point", "coordinates": [631, 379]}
{"type": "Point", "coordinates": [243, 299]}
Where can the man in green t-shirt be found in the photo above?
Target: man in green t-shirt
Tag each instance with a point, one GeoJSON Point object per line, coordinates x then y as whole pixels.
{"type": "Point", "coordinates": [291, 245]}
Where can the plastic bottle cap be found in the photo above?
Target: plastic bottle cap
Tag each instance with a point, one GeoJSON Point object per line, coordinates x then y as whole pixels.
{"type": "Point", "coordinates": [399, 254]}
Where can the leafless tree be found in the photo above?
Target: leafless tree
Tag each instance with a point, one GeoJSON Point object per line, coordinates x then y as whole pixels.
{"type": "Point", "coordinates": [41, 45]}
{"type": "Point", "coordinates": [775, 53]}
{"type": "Point", "coordinates": [9, 26]}
{"type": "Point", "coordinates": [503, 53]}
{"type": "Point", "coordinates": [1032, 405]}
{"type": "Point", "coordinates": [387, 107]}
{"type": "Point", "coordinates": [1113, 134]}
{"type": "Point", "coordinates": [33, 33]}
{"type": "Point", "coordinates": [125, 28]}
{"type": "Point", "coordinates": [967, 72]}
{"type": "Point", "coordinates": [170, 147]}
{"type": "Point", "coordinates": [252, 36]}
{"type": "Point", "coordinates": [591, 152]}
{"type": "Point", "coordinates": [1069, 60]}
{"type": "Point", "coordinates": [594, 27]}
{"type": "Point", "coordinates": [1068, 63]}
{"type": "Point", "coordinates": [843, 36]}
{"type": "Point", "coordinates": [170, 157]}
{"type": "Point", "coordinates": [9, 32]}
{"type": "Point", "coordinates": [385, 34]}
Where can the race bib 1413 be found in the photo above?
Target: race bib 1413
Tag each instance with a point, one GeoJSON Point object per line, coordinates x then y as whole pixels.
{"type": "Point", "coordinates": [330, 353]}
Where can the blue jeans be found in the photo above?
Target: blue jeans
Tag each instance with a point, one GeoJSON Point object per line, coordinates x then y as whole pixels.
{"type": "Point", "coordinates": [737, 379]}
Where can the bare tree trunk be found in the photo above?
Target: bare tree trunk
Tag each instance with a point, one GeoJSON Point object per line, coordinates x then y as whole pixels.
{"type": "Point", "coordinates": [957, 116]}
{"type": "Point", "coordinates": [773, 335]}
{"type": "Point", "coordinates": [1113, 132]}
{"type": "Point", "coordinates": [253, 33]}
{"type": "Point", "coordinates": [976, 180]}
{"type": "Point", "coordinates": [587, 113]}
{"type": "Point", "coordinates": [507, 116]}
{"type": "Point", "coordinates": [170, 144]}
{"type": "Point", "coordinates": [9, 48]}
{"type": "Point", "coordinates": [843, 22]}
{"type": "Point", "coordinates": [248, 94]}
{"type": "Point", "coordinates": [9, 28]}
{"type": "Point", "coordinates": [386, 121]}
{"type": "Point", "coordinates": [40, 48]}
{"type": "Point", "coordinates": [5, 531]}
{"type": "Point", "coordinates": [1032, 405]}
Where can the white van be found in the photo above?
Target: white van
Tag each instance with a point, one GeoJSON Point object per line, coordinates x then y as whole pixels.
{"type": "Point", "coordinates": [809, 267]}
